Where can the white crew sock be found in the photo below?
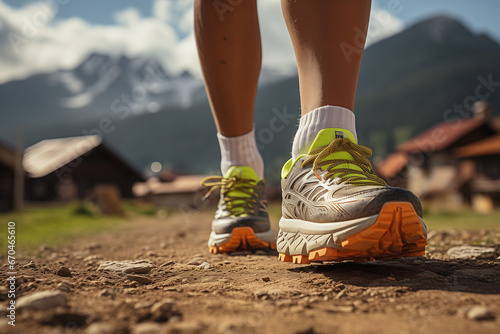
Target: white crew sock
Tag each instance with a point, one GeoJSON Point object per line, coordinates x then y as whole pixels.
{"type": "Point", "coordinates": [240, 151]}
{"type": "Point", "coordinates": [321, 118]}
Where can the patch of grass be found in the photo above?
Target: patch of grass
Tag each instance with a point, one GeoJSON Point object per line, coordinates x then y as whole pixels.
{"type": "Point", "coordinates": [462, 219]}
{"type": "Point", "coordinates": [55, 225]}
{"type": "Point", "coordinates": [83, 209]}
{"type": "Point", "coordinates": [143, 209]}
{"type": "Point", "coordinates": [488, 240]}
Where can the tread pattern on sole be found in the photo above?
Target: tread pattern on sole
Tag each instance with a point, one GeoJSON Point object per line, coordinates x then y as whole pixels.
{"type": "Point", "coordinates": [242, 239]}
{"type": "Point", "coordinates": [396, 233]}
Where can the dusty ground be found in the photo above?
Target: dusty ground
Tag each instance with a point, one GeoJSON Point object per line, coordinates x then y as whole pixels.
{"type": "Point", "coordinates": [252, 293]}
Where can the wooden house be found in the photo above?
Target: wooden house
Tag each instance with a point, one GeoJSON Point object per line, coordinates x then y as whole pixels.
{"type": "Point", "coordinates": [7, 177]}
{"type": "Point", "coordinates": [180, 191]}
{"type": "Point", "coordinates": [440, 165]}
{"type": "Point", "coordinates": [70, 168]}
{"type": "Point", "coordinates": [482, 176]}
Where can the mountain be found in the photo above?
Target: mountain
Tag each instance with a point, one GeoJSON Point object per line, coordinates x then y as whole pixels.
{"type": "Point", "coordinates": [101, 86]}
{"type": "Point", "coordinates": [411, 80]}
{"type": "Point", "coordinates": [407, 82]}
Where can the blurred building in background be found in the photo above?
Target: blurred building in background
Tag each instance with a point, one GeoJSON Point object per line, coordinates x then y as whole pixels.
{"type": "Point", "coordinates": [173, 190]}
{"type": "Point", "coordinates": [71, 168]}
{"type": "Point", "coordinates": [177, 189]}
{"type": "Point", "coordinates": [451, 164]}
{"type": "Point", "coordinates": [481, 172]}
{"type": "Point", "coordinates": [7, 176]}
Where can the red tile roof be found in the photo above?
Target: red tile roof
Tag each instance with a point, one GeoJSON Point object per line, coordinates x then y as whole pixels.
{"type": "Point", "coordinates": [391, 165]}
{"type": "Point", "coordinates": [487, 146]}
{"type": "Point", "coordinates": [440, 136]}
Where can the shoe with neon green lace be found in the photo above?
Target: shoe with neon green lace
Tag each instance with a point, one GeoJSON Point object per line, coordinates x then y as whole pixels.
{"type": "Point", "coordinates": [336, 208]}
{"type": "Point", "coordinates": [241, 221]}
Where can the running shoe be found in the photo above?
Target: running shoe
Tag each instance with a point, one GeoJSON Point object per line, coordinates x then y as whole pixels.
{"type": "Point", "coordinates": [241, 222]}
{"type": "Point", "coordinates": [336, 208]}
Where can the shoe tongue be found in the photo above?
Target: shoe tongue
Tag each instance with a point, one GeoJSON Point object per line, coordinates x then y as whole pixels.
{"type": "Point", "coordinates": [244, 172]}
{"type": "Point", "coordinates": [326, 136]}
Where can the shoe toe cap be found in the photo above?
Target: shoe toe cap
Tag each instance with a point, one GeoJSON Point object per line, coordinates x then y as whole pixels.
{"type": "Point", "coordinates": [226, 225]}
{"type": "Point", "coordinates": [391, 194]}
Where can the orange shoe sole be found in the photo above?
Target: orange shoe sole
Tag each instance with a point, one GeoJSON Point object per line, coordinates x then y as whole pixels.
{"type": "Point", "coordinates": [396, 233]}
{"type": "Point", "coordinates": [242, 239]}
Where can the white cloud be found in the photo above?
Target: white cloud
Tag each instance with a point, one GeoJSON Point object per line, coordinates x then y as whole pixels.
{"type": "Point", "coordinates": [277, 47]}
{"type": "Point", "coordinates": [161, 9]}
{"type": "Point", "coordinates": [382, 24]}
{"type": "Point", "coordinates": [33, 41]}
{"type": "Point", "coordinates": [28, 47]}
{"type": "Point", "coordinates": [175, 12]}
{"type": "Point", "coordinates": [128, 16]}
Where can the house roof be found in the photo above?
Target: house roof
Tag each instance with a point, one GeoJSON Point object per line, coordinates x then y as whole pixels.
{"type": "Point", "coordinates": [441, 136]}
{"type": "Point", "coordinates": [48, 155]}
{"type": "Point", "coordinates": [487, 146]}
{"type": "Point", "coordinates": [391, 166]}
{"type": "Point", "coordinates": [181, 184]}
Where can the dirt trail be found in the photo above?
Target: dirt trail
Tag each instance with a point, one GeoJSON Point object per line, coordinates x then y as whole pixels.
{"type": "Point", "coordinates": [251, 293]}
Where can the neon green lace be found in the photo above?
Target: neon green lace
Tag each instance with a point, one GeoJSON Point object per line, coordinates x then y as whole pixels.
{"type": "Point", "coordinates": [343, 168]}
{"type": "Point", "coordinates": [238, 194]}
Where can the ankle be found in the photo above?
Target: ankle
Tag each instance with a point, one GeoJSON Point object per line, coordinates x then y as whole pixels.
{"type": "Point", "coordinates": [321, 118]}
{"type": "Point", "coordinates": [240, 151]}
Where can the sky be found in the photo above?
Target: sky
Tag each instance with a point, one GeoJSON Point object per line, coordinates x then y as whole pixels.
{"type": "Point", "coordinates": [47, 35]}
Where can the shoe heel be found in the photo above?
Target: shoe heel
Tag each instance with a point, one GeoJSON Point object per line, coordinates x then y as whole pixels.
{"type": "Point", "coordinates": [242, 239]}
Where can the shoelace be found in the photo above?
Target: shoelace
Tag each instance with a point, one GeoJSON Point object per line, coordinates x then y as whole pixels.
{"type": "Point", "coordinates": [236, 205]}
{"type": "Point", "coordinates": [360, 154]}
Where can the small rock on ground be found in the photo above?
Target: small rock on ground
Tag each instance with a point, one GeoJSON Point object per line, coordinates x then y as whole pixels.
{"type": "Point", "coordinates": [147, 328]}
{"type": "Point", "coordinates": [129, 267]}
{"type": "Point", "coordinates": [340, 294]}
{"type": "Point", "coordinates": [195, 262]}
{"type": "Point", "coordinates": [92, 258]}
{"type": "Point", "coordinates": [273, 293]}
{"type": "Point", "coordinates": [106, 293]}
{"type": "Point", "coordinates": [64, 286]}
{"type": "Point", "coordinates": [167, 264]}
{"type": "Point", "coordinates": [139, 279]}
{"type": "Point", "coordinates": [341, 309]}
{"type": "Point", "coordinates": [479, 313]}
{"type": "Point", "coordinates": [187, 327]}
{"type": "Point", "coordinates": [42, 300]}
{"type": "Point", "coordinates": [164, 310]}
{"type": "Point", "coordinates": [63, 271]}
{"type": "Point", "coordinates": [31, 264]}
{"type": "Point", "coordinates": [204, 266]}
{"type": "Point", "coordinates": [142, 305]}
{"type": "Point", "coordinates": [100, 328]}
{"type": "Point", "coordinates": [471, 252]}
{"type": "Point", "coordinates": [64, 318]}
{"type": "Point", "coordinates": [231, 327]}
